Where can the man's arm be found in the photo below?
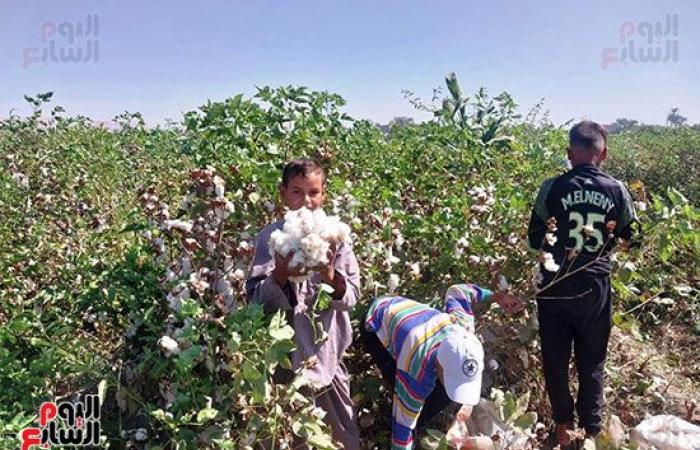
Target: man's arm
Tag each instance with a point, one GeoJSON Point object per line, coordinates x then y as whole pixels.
{"type": "Point", "coordinates": [627, 216]}
{"type": "Point", "coordinates": [459, 299]}
{"type": "Point", "coordinates": [538, 218]}
{"type": "Point", "coordinates": [346, 279]}
{"type": "Point", "coordinates": [408, 401]}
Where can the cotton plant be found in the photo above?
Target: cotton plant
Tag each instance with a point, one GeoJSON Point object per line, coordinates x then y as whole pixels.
{"type": "Point", "coordinates": [202, 261]}
{"type": "Point", "coordinates": [308, 237]}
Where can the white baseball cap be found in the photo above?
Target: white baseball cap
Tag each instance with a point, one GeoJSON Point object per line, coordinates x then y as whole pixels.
{"type": "Point", "coordinates": [461, 356]}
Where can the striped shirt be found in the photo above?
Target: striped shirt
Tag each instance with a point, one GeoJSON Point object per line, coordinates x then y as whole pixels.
{"type": "Point", "coordinates": [412, 333]}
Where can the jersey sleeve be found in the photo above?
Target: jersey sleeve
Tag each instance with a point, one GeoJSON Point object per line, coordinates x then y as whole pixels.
{"type": "Point", "coordinates": [627, 215]}
{"type": "Point", "coordinates": [540, 213]}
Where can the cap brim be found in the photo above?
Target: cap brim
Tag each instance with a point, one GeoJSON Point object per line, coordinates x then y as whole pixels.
{"type": "Point", "coordinates": [468, 393]}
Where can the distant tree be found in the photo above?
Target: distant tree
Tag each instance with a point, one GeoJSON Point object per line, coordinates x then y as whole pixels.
{"type": "Point", "coordinates": [399, 122]}
{"type": "Point", "coordinates": [675, 119]}
{"type": "Point", "coordinates": [621, 125]}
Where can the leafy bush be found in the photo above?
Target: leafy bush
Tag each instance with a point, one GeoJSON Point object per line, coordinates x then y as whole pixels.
{"type": "Point", "coordinates": [430, 204]}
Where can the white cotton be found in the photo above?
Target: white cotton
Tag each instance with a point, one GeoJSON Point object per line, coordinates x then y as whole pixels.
{"type": "Point", "coordinates": [587, 230]}
{"type": "Point", "coordinates": [548, 262]}
{"type": "Point", "coordinates": [185, 266]}
{"type": "Point", "coordinates": [503, 283]}
{"type": "Point", "coordinates": [390, 259]}
{"type": "Point", "coordinates": [238, 274]}
{"type": "Point", "coordinates": [21, 179]}
{"type": "Point", "coordinates": [550, 238]}
{"type": "Point", "coordinates": [181, 225]}
{"type": "Point", "coordinates": [474, 259]}
{"type": "Point", "coordinates": [393, 282]}
{"type": "Point", "coordinates": [493, 365]}
{"type": "Point", "coordinates": [224, 287]}
{"type": "Point", "coordinates": [140, 435]}
{"type": "Point", "coordinates": [308, 235]}
{"type": "Point", "coordinates": [169, 345]}
{"type": "Point", "coordinates": [159, 245]}
{"type": "Point", "coordinates": [399, 241]}
{"type": "Point", "coordinates": [415, 269]}
{"type": "Point", "coordinates": [170, 275]}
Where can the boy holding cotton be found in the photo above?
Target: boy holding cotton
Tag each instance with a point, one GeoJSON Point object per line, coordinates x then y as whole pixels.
{"type": "Point", "coordinates": [271, 284]}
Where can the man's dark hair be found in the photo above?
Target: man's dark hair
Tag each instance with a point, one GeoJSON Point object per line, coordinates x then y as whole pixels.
{"type": "Point", "coordinates": [303, 167]}
{"type": "Point", "coordinates": [588, 135]}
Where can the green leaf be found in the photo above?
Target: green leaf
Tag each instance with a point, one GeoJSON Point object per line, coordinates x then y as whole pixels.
{"type": "Point", "coordinates": [324, 297]}
{"type": "Point", "coordinates": [279, 329]}
{"type": "Point", "coordinates": [250, 372]}
{"type": "Point", "coordinates": [278, 353]}
{"type": "Point", "coordinates": [190, 308]}
{"type": "Point", "coordinates": [526, 420]}
{"type": "Point", "coordinates": [676, 197]}
{"type": "Point", "coordinates": [509, 406]}
{"type": "Point", "coordinates": [206, 414]}
{"type": "Point", "coordinates": [520, 405]}
{"type": "Point", "coordinates": [186, 359]}
{"type": "Point", "coordinates": [434, 440]}
{"type": "Point", "coordinates": [321, 441]}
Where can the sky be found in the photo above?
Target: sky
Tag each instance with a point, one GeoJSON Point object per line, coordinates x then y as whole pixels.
{"type": "Point", "coordinates": [164, 58]}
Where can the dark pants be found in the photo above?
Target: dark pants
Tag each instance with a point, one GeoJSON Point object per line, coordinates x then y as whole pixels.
{"type": "Point", "coordinates": [586, 322]}
{"type": "Point", "coordinates": [436, 402]}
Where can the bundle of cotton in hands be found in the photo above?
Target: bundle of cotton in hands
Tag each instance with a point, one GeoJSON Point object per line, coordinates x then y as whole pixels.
{"type": "Point", "coordinates": [308, 236]}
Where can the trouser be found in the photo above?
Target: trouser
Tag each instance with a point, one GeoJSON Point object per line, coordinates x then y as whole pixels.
{"type": "Point", "coordinates": [586, 322]}
{"type": "Point", "coordinates": [436, 402]}
{"type": "Point", "coordinates": [335, 400]}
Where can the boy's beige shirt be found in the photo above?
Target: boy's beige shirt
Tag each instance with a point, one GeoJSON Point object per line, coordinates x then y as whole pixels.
{"type": "Point", "coordinates": [262, 288]}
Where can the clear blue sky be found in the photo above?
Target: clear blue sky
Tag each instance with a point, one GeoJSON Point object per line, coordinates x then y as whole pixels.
{"type": "Point", "coordinates": [163, 58]}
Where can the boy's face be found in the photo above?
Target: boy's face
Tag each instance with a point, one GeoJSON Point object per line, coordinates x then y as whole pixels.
{"type": "Point", "coordinates": [304, 191]}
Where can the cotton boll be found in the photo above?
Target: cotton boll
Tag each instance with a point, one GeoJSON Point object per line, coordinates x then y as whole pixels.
{"type": "Point", "coordinates": [393, 282]}
{"type": "Point", "coordinates": [502, 283]}
{"type": "Point", "coordinates": [181, 225]}
{"type": "Point", "coordinates": [224, 287]}
{"type": "Point", "coordinates": [548, 262]}
{"type": "Point", "coordinates": [238, 274]}
{"type": "Point", "coordinates": [415, 269]}
{"type": "Point", "coordinates": [185, 266]}
{"type": "Point", "coordinates": [169, 345]}
{"type": "Point", "coordinates": [308, 235]}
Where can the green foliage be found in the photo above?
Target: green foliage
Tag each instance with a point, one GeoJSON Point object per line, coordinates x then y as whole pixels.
{"type": "Point", "coordinates": [76, 259]}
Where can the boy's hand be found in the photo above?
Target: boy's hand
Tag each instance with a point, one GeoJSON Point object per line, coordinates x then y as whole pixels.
{"type": "Point", "coordinates": [510, 303]}
{"type": "Point", "coordinates": [458, 433]}
{"type": "Point", "coordinates": [327, 271]}
{"type": "Point", "coordinates": [282, 272]}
